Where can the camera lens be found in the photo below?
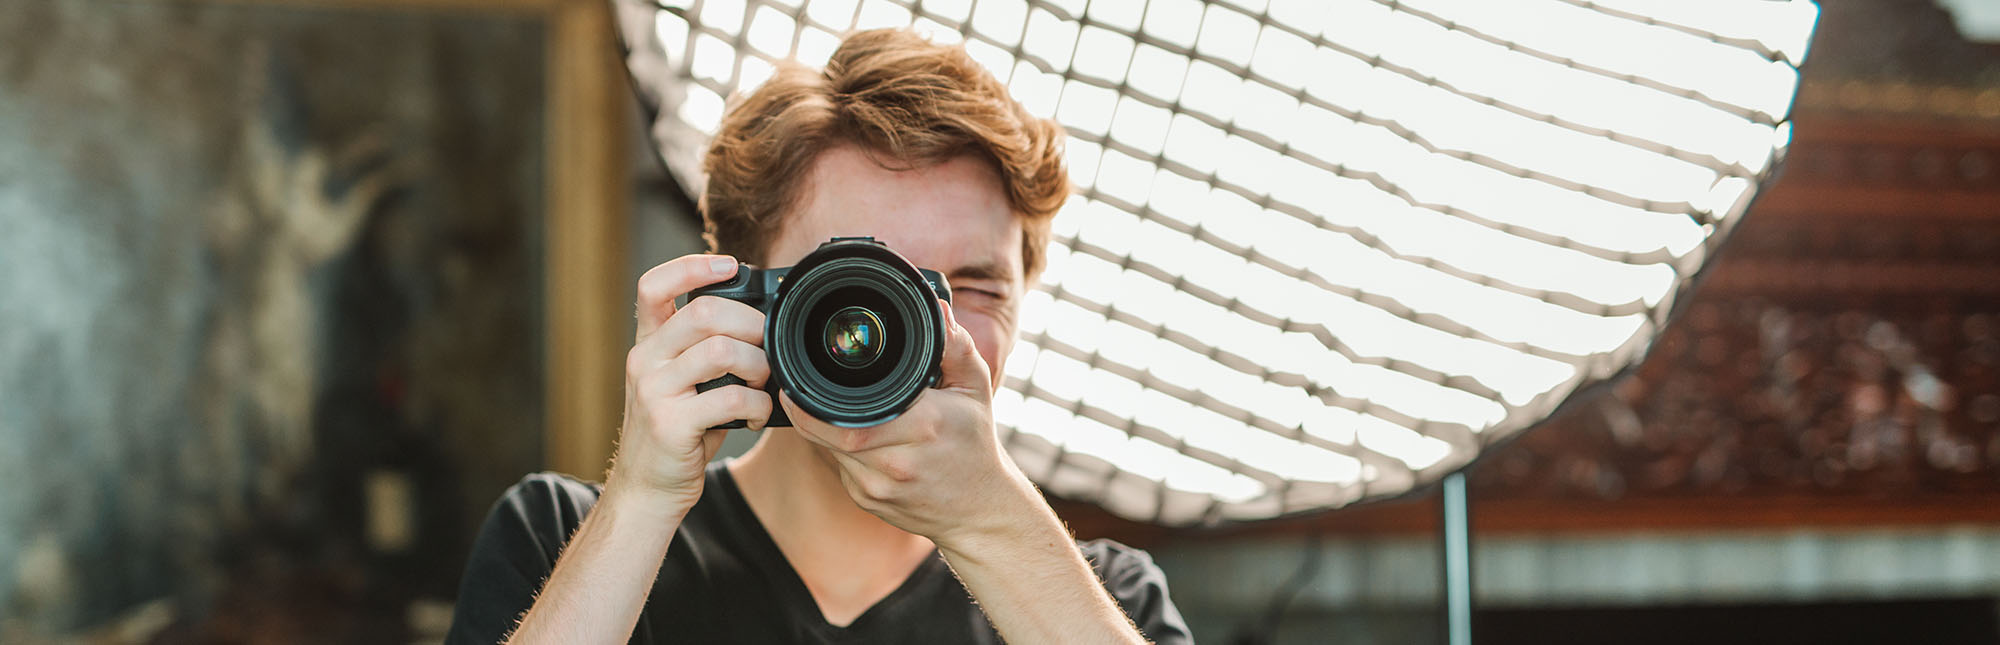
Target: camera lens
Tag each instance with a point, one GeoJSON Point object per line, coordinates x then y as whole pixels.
{"type": "Point", "coordinates": [854, 337]}
{"type": "Point", "coordinates": [856, 334]}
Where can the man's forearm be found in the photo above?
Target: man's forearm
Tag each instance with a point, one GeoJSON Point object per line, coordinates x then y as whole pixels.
{"type": "Point", "coordinates": [601, 580]}
{"type": "Point", "coordinates": [1035, 587]}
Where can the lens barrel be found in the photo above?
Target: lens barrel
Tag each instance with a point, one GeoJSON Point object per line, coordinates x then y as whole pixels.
{"type": "Point", "coordinates": [856, 333]}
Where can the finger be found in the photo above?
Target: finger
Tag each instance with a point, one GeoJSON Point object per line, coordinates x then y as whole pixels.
{"type": "Point", "coordinates": [963, 367]}
{"type": "Point", "coordinates": [814, 431]}
{"type": "Point", "coordinates": [857, 440]}
{"type": "Point", "coordinates": [810, 429]}
{"type": "Point", "coordinates": [715, 356]}
{"type": "Point", "coordinates": [652, 357]}
{"type": "Point", "coordinates": [662, 284]}
{"type": "Point", "coordinates": [706, 317]}
{"type": "Point", "coordinates": [729, 403]}
{"type": "Point", "coordinates": [873, 481]}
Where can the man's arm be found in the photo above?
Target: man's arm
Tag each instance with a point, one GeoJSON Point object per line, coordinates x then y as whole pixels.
{"type": "Point", "coordinates": [600, 583]}
{"type": "Point", "coordinates": [938, 471]}
{"type": "Point", "coordinates": [1033, 584]}
{"type": "Point", "coordinates": [601, 580]}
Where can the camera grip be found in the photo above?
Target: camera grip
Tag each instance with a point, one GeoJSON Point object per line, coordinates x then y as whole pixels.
{"type": "Point", "coordinates": [725, 380]}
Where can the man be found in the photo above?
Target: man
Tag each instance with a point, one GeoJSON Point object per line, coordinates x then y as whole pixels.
{"type": "Point", "coordinates": [917, 530]}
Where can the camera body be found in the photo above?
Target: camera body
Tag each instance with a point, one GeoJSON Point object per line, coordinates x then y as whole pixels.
{"type": "Point", "coordinates": [854, 331]}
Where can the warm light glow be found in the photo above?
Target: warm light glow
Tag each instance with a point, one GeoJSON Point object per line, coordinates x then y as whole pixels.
{"type": "Point", "coordinates": [1323, 250]}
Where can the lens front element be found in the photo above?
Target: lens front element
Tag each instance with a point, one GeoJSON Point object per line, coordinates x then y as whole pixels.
{"type": "Point", "coordinates": [856, 333]}
{"type": "Point", "coordinates": [854, 337]}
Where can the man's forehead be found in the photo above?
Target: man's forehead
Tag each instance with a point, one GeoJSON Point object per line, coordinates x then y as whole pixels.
{"type": "Point", "coordinates": [953, 216]}
{"type": "Point", "coordinates": [959, 253]}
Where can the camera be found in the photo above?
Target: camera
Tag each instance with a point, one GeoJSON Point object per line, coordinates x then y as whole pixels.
{"type": "Point", "coordinates": [854, 331]}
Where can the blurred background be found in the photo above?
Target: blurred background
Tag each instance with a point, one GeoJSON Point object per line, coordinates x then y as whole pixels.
{"type": "Point", "coordinates": [291, 290]}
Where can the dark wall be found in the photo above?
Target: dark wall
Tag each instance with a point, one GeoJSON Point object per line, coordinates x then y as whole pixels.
{"type": "Point", "coordinates": [270, 308]}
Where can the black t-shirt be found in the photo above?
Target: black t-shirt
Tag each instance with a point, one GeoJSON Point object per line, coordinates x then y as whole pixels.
{"type": "Point", "coordinates": [725, 581]}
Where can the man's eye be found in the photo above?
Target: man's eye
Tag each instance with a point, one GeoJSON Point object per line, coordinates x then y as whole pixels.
{"type": "Point", "coordinates": [980, 292]}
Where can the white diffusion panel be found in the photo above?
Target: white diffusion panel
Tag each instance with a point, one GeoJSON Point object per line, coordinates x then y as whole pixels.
{"type": "Point", "coordinates": [1322, 250]}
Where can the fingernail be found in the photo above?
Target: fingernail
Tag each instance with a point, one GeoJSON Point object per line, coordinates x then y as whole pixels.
{"type": "Point", "coordinates": [723, 265]}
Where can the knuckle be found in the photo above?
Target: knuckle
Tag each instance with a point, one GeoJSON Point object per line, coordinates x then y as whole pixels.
{"type": "Point", "coordinates": [758, 412]}
{"type": "Point", "coordinates": [756, 367]}
{"type": "Point", "coordinates": [746, 402]}
{"type": "Point", "coordinates": [753, 323]}
{"type": "Point", "coordinates": [635, 364]}
{"type": "Point", "coordinates": [695, 315]}
{"type": "Point", "coordinates": [699, 313]}
{"type": "Point", "coordinates": [650, 290]}
{"type": "Point", "coordinates": [727, 398]}
{"type": "Point", "coordinates": [896, 470]}
{"type": "Point", "coordinates": [877, 489]}
{"type": "Point", "coordinates": [743, 398]}
{"type": "Point", "coordinates": [851, 440]}
{"type": "Point", "coordinates": [657, 284]}
{"type": "Point", "coordinates": [698, 354]}
{"type": "Point", "coordinates": [724, 315]}
{"type": "Point", "coordinates": [719, 350]}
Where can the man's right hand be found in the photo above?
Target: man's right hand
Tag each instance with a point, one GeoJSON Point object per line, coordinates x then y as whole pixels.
{"type": "Point", "coordinates": [665, 445]}
{"type": "Point", "coordinates": [600, 582]}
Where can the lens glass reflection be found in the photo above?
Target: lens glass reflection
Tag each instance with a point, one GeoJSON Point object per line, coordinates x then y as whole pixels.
{"type": "Point", "coordinates": [854, 337]}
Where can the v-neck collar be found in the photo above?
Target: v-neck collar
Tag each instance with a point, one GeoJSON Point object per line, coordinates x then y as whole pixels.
{"type": "Point", "coordinates": [772, 563]}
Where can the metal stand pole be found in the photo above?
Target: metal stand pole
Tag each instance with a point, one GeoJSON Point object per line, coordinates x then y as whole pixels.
{"type": "Point", "coordinates": [1455, 547]}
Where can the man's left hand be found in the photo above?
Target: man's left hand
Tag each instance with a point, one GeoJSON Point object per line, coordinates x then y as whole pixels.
{"type": "Point", "coordinates": [937, 470]}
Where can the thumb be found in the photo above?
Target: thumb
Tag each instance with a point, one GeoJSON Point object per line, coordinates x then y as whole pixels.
{"type": "Point", "coordinates": [964, 368]}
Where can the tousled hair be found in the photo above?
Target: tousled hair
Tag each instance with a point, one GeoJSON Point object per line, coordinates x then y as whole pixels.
{"type": "Point", "coordinates": [908, 102]}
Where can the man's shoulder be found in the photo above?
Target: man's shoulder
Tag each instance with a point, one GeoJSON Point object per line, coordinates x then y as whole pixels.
{"type": "Point", "coordinates": [1140, 587]}
{"type": "Point", "coordinates": [548, 487]}
{"type": "Point", "coordinates": [554, 501]}
{"type": "Point", "coordinates": [515, 550]}
{"type": "Point", "coordinates": [549, 500]}
{"type": "Point", "coordinates": [1113, 560]}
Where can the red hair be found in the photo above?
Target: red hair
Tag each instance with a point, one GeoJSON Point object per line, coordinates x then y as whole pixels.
{"type": "Point", "coordinates": [913, 102]}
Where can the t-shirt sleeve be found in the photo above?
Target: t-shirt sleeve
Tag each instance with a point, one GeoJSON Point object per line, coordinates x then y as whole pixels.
{"type": "Point", "coordinates": [516, 549]}
{"type": "Point", "coordinates": [1140, 589]}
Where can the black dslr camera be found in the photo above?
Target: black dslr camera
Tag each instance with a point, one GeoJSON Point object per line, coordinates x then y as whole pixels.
{"type": "Point", "coordinates": [853, 331]}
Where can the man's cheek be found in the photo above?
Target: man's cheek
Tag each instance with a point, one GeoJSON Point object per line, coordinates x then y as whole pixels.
{"type": "Point", "coordinates": [995, 352]}
{"type": "Point", "coordinates": [992, 343]}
